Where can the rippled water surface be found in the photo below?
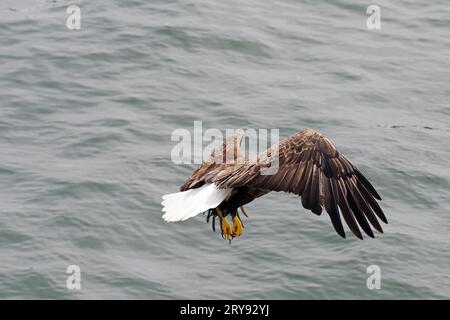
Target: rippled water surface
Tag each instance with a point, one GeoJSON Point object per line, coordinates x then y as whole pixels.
{"type": "Point", "coordinates": [86, 118]}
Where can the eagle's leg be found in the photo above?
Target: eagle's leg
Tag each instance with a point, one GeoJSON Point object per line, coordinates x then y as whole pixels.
{"type": "Point", "coordinates": [238, 226]}
{"type": "Point", "coordinates": [243, 211]}
{"type": "Point", "coordinates": [224, 225]}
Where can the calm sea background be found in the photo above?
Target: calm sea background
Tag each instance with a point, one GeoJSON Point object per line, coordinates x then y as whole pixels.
{"type": "Point", "coordinates": [86, 118]}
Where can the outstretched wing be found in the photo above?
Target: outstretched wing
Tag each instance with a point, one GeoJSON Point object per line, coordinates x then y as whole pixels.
{"type": "Point", "coordinates": [310, 166]}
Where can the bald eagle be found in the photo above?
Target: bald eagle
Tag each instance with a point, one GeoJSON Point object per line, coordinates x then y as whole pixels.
{"type": "Point", "coordinates": [309, 166]}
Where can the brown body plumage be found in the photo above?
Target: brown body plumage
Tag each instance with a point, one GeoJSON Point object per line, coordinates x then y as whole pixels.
{"type": "Point", "coordinates": [309, 166]}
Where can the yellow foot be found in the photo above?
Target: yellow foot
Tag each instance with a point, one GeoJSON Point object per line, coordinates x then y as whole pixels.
{"type": "Point", "coordinates": [225, 228]}
{"type": "Point", "coordinates": [238, 227]}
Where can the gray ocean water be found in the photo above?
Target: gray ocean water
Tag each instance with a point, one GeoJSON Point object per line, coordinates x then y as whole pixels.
{"type": "Point", "coordinates": [86, 118]}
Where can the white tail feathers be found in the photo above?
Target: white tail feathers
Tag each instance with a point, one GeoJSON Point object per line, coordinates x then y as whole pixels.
{"type": "Point", "coordinates": [187, 204]}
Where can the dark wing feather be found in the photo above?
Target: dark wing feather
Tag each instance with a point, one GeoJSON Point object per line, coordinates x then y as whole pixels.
{"type": "Point", "coordinates": [311, 167]}
{"type": "Point", "coordinates": [331, 207]}
{"type": "Point", "coordinates": [346, 211]}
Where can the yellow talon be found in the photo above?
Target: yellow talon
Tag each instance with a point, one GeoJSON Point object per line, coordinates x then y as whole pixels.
{"type": "Point", "coordinates": [238, 228]}
{"type": "Point", "coordinates": [225, 227]}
